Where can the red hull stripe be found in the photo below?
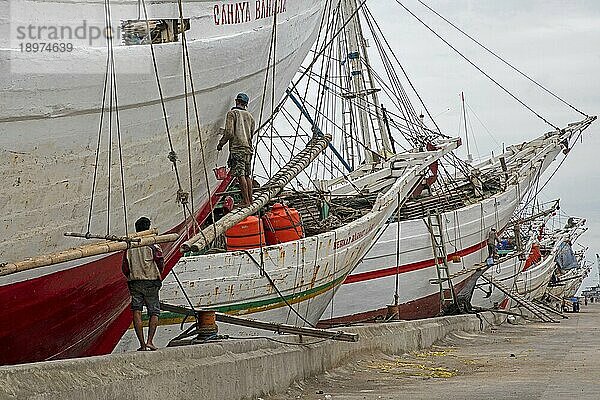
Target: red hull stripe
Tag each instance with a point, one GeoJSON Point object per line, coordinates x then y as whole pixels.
{"type": "Point", "coordinates": [424, 307]}
{"type": "Point", "coordinates": [504, 304]}
{"type": "Point", "coordinates": [380, 273]}
{"type": "Point", "coordinates": [76, 312]}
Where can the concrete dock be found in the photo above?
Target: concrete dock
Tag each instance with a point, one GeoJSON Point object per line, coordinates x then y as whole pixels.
{"type": "Point", "coordinates": [530, 361]}
{"type": "Point", "coordinates": [459, 357]}
{"type": "Point", "coordinates": [226, 370]}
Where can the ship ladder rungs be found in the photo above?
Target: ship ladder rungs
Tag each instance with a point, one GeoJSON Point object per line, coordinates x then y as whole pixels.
{"type": "Point", "coordinates": [444, 280]}
{"type": "Point", "coordinates": [268, 326]}
{"type": "Point", "coordinates": [539, 312]}
{"type": "Point", "coordinates": [550, 309]}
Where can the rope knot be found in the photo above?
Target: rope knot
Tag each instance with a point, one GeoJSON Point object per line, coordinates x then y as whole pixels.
{"type": "Point", "coordinates": [182, 197]}
{"type": "Point", "coordinates": [172, 156]}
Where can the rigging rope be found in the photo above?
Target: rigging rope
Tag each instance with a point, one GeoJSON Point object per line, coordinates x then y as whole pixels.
{"type": "Point", "coordinates": [110, 129]}
{"type": "Point", "coordinates": [477, 67]}
{"type": "Point", "coordinates": [96, 162]}
{"type": "Point", "coordinates": [366, 11]}
{"type": "Point", "coordinates": [188, 64]}
{"type": "Point", "coordinates": [187, 116]}
{"type": "Point", "coordinates": [321, 25]}
{"type": "Point", "coordinates": [264, 93]}
{"type": "Point", "coordinates": [182, 197]}
{"type": "Point", "coordinates": [274, 44]}
{"type": "Point", "coordinates": [272, 283]}
{"type": "Point", "coordinates": [314, 60]}
{"type": "Point", "coordinates": [109, 76]}
{"type": "Point", "coordinates": [118, 122]}
{"type": "Point", "coordinates": [398, 235]}
{"type": "Point", "coordinates": [551, 176]}
{"type": "Point", "coordinates": [503, 60]}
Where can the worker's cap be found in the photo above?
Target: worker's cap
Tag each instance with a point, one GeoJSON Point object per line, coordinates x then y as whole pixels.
{"type": "Point", "coordinates": [243, 97]}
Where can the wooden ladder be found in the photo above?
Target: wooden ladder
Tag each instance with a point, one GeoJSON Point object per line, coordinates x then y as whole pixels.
{"type": "Point", "coordinates": [440, 257]}
{"type": "Point", "coordinates": [534, 308]}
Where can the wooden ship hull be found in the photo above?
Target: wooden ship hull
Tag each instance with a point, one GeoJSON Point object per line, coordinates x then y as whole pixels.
{"type": "Point", "coordinates": [292, 282]}
{"type": "Point", "coordinates": [48, 134]}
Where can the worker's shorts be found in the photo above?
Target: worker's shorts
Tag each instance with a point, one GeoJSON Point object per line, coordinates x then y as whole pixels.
{"type": "Point", "coordinates": [145, 293]}
{"type": "Point", "coordinates": [240, 164]}
{"type": "Point", "coordinates": [491, 250]}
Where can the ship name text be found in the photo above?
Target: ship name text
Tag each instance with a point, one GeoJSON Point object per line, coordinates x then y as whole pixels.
{"type": "Point", "coordinates": [353, 238]}
{"type": "Point", "coordinates": [246, 11]}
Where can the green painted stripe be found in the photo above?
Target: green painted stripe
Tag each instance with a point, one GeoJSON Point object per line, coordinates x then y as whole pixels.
{"type": "Point", "coordinates": [275, 302]}
{"type": "Point", "coordinates": [292, 298]}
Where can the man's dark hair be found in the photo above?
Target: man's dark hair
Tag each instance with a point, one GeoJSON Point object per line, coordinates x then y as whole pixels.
{"type": "Point", "coordinates": [142, 224]}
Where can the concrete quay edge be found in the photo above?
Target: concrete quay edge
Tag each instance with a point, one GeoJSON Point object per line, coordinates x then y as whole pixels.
{"type": "Point", "coordinates": [232, 369]}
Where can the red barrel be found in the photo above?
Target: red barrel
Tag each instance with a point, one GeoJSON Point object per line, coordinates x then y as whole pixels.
{"type": "Point", "coordinates": [282, 224]}
{"type": "Point", "coordinates": [247, 234]}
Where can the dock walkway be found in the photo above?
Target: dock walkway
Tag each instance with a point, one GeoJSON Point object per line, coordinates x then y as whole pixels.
{"type": "Point", "coordinates": [224, 370]}
{"type": "Point", "coordinates": [529, 361]}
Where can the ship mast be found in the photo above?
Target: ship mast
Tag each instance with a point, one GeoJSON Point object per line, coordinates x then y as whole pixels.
{"type": "Point", "coordinates": [361, 87]}
{"type": "Point", "coordinates": [464, 112]}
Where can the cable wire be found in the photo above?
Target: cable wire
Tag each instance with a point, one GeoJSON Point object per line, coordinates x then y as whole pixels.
{"type": "Point", "coordinates": [503, 60]}
{"type": "Point", "coordinates": [477, 67]}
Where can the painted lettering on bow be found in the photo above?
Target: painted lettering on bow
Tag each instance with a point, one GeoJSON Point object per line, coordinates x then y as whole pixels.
{"type": "Point", "coordinates": [246, 11]}
{"type": "Point", "coordinates": [353, 238]}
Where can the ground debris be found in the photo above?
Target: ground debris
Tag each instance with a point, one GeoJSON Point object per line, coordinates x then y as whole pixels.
{"type": "Point", "coordinates": [413, 369]}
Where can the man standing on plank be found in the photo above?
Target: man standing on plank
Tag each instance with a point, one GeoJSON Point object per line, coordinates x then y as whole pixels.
{"type": "Point", "coordinates": [239, 128]}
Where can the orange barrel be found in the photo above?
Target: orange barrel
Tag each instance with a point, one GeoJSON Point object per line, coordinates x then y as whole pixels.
{"type": "Point", "coordinates": [282, 224]}
{"type": "Point", "coordinates": [247, 234]}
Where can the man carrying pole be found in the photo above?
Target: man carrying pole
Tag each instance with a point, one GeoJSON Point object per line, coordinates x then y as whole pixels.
{"type": "Point", "coordinates": [143, 267]}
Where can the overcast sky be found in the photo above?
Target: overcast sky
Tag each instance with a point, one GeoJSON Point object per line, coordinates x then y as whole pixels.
{"type": "Point", "coordinates": [555, 42]}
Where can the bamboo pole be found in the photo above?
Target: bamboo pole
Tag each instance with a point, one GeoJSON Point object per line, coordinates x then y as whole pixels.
{"type": "Point", "coordinates": [113, 238]}
{"type": "Point", "coordinates": [284, 176]}
{"type": "Point", "coordinates": [147, 238]}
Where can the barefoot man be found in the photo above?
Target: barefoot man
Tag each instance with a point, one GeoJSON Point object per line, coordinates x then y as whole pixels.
{"type": "Point", "coordinates": [239, 128]}
{"type": "Point", "coordinates": [143, 267]}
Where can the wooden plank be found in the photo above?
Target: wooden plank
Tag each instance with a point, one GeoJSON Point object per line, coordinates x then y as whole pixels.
{"type": "Point", "coordinates": [269, 326]}
{"type": "Point", "coordinates": [291, 329]}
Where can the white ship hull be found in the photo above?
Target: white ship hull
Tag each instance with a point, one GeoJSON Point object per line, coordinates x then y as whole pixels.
{"type": "Point", "coordinates": [371, 287]}
{"type": "Point", "coordinates": [533, 282]}
{"type": "Point", "coordinates": [49, 117]}
{"type": "Point", "coordinates": [487, 295]}
{"type": "Point", "coordinates": [49, 122]}
{"type": "Point", "coordinates": [290, 283]}
{"type": "Point", "coordinates": [416, 260]}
